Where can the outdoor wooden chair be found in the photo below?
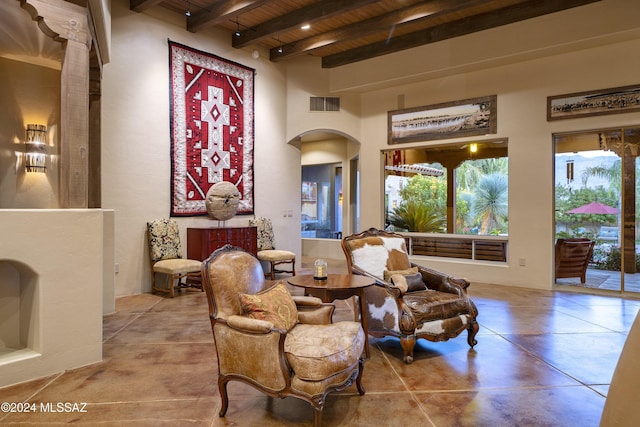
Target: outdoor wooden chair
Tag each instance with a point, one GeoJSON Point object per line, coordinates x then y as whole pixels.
{"type": "Point", "coordinates": [572, 258]}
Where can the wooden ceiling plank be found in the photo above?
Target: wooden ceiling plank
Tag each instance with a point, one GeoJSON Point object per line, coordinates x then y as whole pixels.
{"type": "Point", "coordinates": [220, 11]}
{"type": "Point", "coordinates": [310, 14]}
{"type": "Point", "coordinates": [142, 5]}
{"type": "Point", "coordinates": [432, 10]}
{"type": "Point", "coordinates": [496, 18]}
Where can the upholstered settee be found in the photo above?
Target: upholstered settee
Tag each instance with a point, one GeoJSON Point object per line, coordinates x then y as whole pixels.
{"type": "Point", "coordinates": [408, 301]}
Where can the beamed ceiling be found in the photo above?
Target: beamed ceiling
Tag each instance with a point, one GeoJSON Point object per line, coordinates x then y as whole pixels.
{"type": "Point", "coordinates": [347, 31]}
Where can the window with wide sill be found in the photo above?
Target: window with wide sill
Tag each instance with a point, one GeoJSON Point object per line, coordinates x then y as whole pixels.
{"type": "Point", "coordinates": [450, 200]}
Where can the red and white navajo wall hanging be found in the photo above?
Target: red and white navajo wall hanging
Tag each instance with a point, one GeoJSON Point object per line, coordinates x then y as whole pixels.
{"type": "Point", "coordinates": [211, 128]}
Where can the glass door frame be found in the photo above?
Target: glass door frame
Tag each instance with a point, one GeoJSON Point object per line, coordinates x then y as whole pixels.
{"type": "Point", "coordinates": [625, 143]}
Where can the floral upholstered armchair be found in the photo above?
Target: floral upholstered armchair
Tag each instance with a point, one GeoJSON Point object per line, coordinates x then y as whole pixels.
{"type": "Point", "coordinates": [267, 251]}
{"type": "Point", "coordinates": [408, 301]}
{"type": "Point", "coordinates": [165, 255]}
{"type": "Point", "coordinates": [282, 345]}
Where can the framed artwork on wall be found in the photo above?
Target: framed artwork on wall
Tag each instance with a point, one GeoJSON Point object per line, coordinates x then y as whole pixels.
{"type": "Point", "coordinates": [467, 117]}
{"type": "Point", "coordinates": [309, 191]}
{"type": "Point", "coordinates": [594, 103]}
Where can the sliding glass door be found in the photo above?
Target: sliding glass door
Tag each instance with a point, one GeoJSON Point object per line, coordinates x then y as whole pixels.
{"type": "Point", "coordinates": [596, 209]}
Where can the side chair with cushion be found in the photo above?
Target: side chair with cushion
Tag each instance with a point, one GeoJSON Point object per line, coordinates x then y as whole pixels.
{"type": "Point", "coordinates": [572, 258]}
{"type": "Point", "coordinates": [408, 301]}
{"type": "Point", "coordinates": [280, 344]}
{"type": "Point", "coordinates": [267, 251]}
{"type": "Point", "coordinates": [165, 253]}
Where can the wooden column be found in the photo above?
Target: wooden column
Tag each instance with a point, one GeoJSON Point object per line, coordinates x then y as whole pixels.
{"type": "Point", "coordinates": [74, 127]}
{"type": "Point", "coordinates": [95, 140]}
{"type": "Point", "coordinates": [629, 210]}
{"type": "Point", "coordinates": [451, 199]}
{"type": "Point", "coordinates": [67, 23]}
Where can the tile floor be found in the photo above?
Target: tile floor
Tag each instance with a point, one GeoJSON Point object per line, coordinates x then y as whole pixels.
{"type": "Point", "coordinates": [543, 358]}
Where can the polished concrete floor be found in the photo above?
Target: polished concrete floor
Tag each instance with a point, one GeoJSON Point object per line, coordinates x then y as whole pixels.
{"type": "Point", "coordinates": [543, 358]}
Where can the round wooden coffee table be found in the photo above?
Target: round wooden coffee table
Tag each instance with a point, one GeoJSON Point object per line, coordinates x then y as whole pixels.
{"type": "Point", "coordinates": [338, 286]}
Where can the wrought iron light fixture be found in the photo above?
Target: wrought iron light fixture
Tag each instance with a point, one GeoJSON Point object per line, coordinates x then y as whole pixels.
{"type": "Point", "coordinates": [35, 148]}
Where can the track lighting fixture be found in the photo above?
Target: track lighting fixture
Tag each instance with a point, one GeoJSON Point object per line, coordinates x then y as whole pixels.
{"type": "Point", "coordinates": [237, 33]}
{"type": "Point", "coordinates": [188, 12]}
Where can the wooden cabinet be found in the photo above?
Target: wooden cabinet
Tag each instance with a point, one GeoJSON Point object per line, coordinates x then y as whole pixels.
{"type": "Point", "coordinates": [201, 242]}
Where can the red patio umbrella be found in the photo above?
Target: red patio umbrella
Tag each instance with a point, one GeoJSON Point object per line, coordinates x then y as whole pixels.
{"type": "Point", "coordinates": [594, 208]}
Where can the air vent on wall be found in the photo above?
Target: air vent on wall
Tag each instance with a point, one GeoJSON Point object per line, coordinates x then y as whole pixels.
{"type": "Point", "coordinates": [322, 103]}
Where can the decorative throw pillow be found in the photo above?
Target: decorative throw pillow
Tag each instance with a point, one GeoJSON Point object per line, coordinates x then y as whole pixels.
{"type": "Point", "coordinates": [411, 275]}
{"type": "Point", "coordinates": [274, 305]}
{"type": "Point", "coordinates": [415, 282]}
{"type": "Point", "coordinates": [405, 272]}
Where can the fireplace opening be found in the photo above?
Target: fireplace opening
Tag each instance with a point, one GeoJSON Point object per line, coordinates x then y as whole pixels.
{"type": "Point", "coordinates": [19, 314]}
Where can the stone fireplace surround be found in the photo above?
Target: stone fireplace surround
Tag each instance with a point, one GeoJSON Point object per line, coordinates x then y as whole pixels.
{"type": "Point", "coordinates": [56, 282]}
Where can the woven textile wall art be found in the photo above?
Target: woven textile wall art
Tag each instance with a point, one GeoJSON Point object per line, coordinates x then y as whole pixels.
{"type": "Point", "coordinates": [211, 128]}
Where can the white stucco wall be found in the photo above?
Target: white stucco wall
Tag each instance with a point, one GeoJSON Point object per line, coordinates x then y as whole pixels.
{"type": "Point", "coordinates": [586, 48]}
{"type": "Point", "coordinates": [136, 139]}
{"type": "Point", "coordinates": [56, 272]}
{"type": "Point", "coordinates": [522, 91]}
{"type": "Point", "coordinates": [521, 119]}
{"type": "Point", "coordinates": [30, 95]}
{"type": "Point", "coordinates": [306, 78]}
{"type": "Point", "coordinates": [504, 62]}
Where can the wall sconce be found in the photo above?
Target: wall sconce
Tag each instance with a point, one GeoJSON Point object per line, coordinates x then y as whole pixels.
{"type": "Point", "coordinates": [473, 148]}
{"type": "Point", "coordinates": [35, 148]}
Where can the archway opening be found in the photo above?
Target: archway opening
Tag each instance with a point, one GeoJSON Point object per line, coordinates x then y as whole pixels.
{"type": "Point", "coordinates": [329, 193]}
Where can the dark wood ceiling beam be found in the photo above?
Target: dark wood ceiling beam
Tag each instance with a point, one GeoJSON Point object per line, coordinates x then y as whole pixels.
{"type": "Point", "coordinates": [220, 11]}
{"type": "Point", "coordinates": [496, 18]}
{"type": "Point", "coordinates": [142, 5]}
{"type": "Point", "coordinates": [310, 14]}
{"type": "Point", "coordinates": [430, 10]}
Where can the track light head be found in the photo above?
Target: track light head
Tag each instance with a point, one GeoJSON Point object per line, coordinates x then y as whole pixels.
{"type": "Point", "coordinates": [237, 33]}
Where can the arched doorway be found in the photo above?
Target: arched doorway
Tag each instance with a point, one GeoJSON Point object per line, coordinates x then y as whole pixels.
{"type": "Point", "coordinates": [329, 184]}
